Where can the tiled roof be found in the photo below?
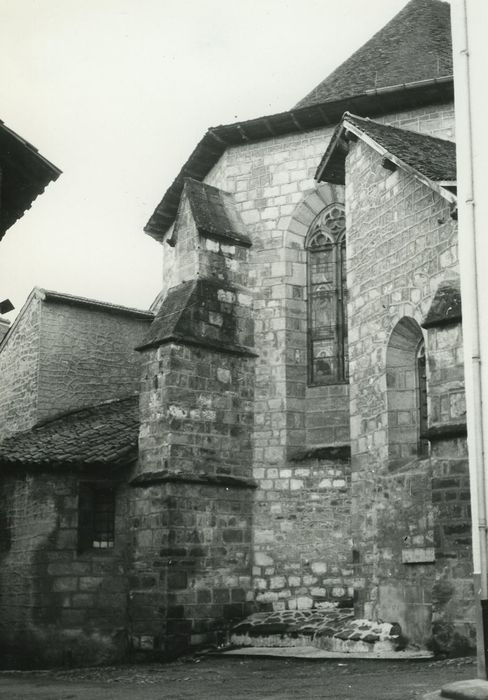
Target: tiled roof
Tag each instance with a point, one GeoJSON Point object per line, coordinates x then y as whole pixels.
{"type": "Point", "coordinates": [415, 45]}
{"type": "Point", "coordinates": [25, 174]}
{"type": "Point", "coordinates": [215, 213]}
{"type": "Point", "coordinates": [432, 157]}
{"type": "Point", "coordinates": [185, 317]}
{"type": "Point", "coordinates": [406, 65]}
{"type": "Point", "coordinates": [103, 434]}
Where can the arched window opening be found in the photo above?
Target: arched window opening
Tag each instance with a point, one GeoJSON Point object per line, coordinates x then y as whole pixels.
{"type": "Point", "coordinates": [422, 398]}
{"type": "Point", "coordinates": [406, 382]}
{"type": "Point", "coordinates": [327, 322]}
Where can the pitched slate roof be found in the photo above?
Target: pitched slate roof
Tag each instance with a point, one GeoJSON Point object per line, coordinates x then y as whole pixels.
{"type": "Point", "coordinates": [406, 65]}
{"type": "Point", "coordinates": [25, 174]}
{"type": "Point", "coordinates": [415, 45]}
{"type": "Point", "coordinates": [185, 317]}
{"type": "Point", "coordinates": [215, 213]}
{"type": "Point", "coordinates": [432, 157]}
{"type": "Point", "coordinates": [105, 434]}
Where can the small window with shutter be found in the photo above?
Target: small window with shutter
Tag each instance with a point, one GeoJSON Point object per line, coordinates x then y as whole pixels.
{"type": "Point", "coordinates": [96, 516]}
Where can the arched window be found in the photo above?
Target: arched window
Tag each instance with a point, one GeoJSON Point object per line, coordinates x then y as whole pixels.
{"type": "Point", "coordinates": [406, 383]}
{"type": "Point", "coordinates": [327, 322]}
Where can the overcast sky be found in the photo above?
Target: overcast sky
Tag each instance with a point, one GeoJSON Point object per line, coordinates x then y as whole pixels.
{"type": "Point", "coordinates": [117, 93]}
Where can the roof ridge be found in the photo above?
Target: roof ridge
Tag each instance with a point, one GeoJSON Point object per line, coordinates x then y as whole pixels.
{"type": "Point", "coordinates": [76, 411]}
{"type": "Point", "coordinates": [53, 295]}
{"type": "Point", "coordinates": [396, 128]}
{"type": "Point", "coordinates": [428, 158]}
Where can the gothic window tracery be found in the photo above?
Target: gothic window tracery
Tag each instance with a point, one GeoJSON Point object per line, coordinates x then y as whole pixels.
{"type": "Point", "coordinates": [327, 322]}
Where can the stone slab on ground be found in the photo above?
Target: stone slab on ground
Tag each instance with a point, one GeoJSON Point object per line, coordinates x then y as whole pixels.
{"type": "Point", "coordinates": [475, 689]}
{"type": "Point", "coordinates": [310, 652]}
{"type": "Point", "coordinates": [331, 629]}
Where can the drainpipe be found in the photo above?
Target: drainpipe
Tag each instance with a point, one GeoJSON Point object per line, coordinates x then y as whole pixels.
{"type": "Point", "coordinates": [469, 255]}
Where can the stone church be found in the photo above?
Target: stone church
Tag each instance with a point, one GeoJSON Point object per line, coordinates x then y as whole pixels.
{"type": "Point", "coordinates": [285, 429]}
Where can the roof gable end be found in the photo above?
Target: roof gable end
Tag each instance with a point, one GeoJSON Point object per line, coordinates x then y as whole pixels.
{"type": "Point", "coordinates": [429, 159]}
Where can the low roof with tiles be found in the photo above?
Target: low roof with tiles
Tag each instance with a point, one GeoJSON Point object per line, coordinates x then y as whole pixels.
{"type": "Point", "coordinates": [105, 434]}
{"type": "Point", "coordinates": [406, 65]}
{"type": "Point", "coordinates": [433, 158]}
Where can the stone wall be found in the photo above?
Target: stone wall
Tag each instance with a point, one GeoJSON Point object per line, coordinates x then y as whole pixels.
{"type": "Point", "coordinates": [59, 357]}
{"type": "Point", "coordinates": [191, 563]}
{"type": "Point", "coordinates": [58, 606]}
{"type": "Point", "coordinates": [19, 369]}
{"type": "Point", "coordinates": [272, 182]}
{"type": "Point", "coordinates": [86, 356]}
{"type": "Point", "coordinates": [402, 244]}
{"type": "Point", "coordinates": [191, 505]}
{"type": "Point", "coordinates": [302, 535]}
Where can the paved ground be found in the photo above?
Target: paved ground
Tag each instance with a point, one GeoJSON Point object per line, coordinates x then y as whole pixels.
{"type": "Point", "coordinates": [211, 678]}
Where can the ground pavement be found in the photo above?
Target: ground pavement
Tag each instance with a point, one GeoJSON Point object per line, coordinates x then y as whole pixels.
{"type": "Point", "coordinates": [219, 678]}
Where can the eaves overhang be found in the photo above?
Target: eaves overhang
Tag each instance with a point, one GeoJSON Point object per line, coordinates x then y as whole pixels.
{"type": "Point", "coordinates": [25, 175]}
{"type": "Point", "coordinates": [217, 139]}
{"type": "Point", "coordinates": [332, 166]}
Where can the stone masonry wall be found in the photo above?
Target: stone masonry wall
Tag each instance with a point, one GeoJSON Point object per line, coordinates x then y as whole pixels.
{"type": "Point", "coordinates": [191, 563]}
{"type": "Point", "coordinates": [58, 605]}
{"type": "Point", "coordinates": [401, 246]}
{"type": "Point", "coordinates": [302, 536]}
{"type": "Point", "coordinates": [191, 507]}
{"type": "Point", "coordinates": [196, 412]}
{"type": "Point", "coordinates": [271, 180]}
{"type": "Point", "coordinates": [19, 368]}
{"type": "Point", "coordinates": [59, 357]}
{"type": "Point", "coordinates": [86, 357]}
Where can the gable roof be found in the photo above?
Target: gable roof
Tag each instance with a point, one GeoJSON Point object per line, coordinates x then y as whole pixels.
{"type": "Point", "coordinates": [215, 213]}
{"type": "Point", "coordinates": [105, 434]}
{"type": "Point", "coordinates": [25, 174]}
{"type": "Point", "coordinates": [95, 304]}
{"type": "Point", "coordinates": [429, 157]}
{"type": "Point", "coordinates": [415, 45]}
{"type": "Point", "coordinates": [72, 300]}
{"type": "Point", "coordinates": [406, 65]}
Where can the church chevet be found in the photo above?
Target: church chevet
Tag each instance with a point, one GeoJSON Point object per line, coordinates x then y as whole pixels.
{"type": "Point", "coordinates": [275, 453]}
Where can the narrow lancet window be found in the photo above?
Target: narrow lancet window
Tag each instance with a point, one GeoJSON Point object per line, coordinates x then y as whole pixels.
{"type": "Point", "coordinates": [327, 322]}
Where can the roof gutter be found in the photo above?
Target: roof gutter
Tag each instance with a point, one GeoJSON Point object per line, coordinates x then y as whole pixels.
{"type": "Point", "coordinates": [326, 114]}
{"type": "Point", "coordinates": [410, 86]}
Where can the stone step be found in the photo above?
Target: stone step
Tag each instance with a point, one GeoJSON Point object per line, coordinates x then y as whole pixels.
{"type": "Point", "coordinates": [331, 630]}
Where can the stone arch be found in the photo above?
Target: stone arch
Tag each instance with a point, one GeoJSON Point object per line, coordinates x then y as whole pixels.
{"type": "Point", "coordinates": [406, 392]}
{"type": "Point", "coordinates": [313, 202]}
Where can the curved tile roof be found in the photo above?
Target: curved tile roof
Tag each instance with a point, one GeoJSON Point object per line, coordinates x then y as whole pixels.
{"type": "Point", "coordinates": [105, 434]}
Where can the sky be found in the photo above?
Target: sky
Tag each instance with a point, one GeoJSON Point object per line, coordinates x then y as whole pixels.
{"type": "Point", "coordinates": [116, 93]}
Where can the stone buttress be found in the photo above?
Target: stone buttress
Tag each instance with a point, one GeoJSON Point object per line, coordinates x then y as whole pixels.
{"type": "Point", "coordinates": [192, 496]}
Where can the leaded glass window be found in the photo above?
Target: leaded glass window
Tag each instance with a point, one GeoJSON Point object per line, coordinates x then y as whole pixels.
{"type": "Point", "coordinates": [327, 322]}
